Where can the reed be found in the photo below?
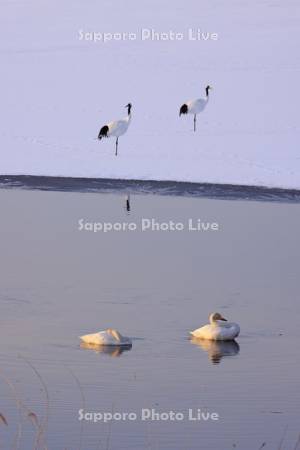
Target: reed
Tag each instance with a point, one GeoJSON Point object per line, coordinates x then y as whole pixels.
{"type": "Point", "coordinates": [3, 419]}
{"type": "Point", "coordinates": [41, 425]}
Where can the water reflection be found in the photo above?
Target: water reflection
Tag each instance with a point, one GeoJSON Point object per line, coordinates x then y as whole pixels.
{"type": "Point", "coordinates": [128, 208]}
{"type": "Point", "coordinates": [217, 349]}
{"type": "Point", "coordinates": [111, 350]}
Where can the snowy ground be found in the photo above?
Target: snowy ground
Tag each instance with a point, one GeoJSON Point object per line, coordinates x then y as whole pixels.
{"type": "Point", "coordinates": [56, 91]}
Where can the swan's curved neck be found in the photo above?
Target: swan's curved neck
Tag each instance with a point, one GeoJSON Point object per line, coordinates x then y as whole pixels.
{"type": "Point", "coordinates": [212, 319]}
{"type": "Point", "coordinates": [116, 335]}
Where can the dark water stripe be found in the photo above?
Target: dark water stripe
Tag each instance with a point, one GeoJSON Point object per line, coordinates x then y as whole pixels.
{"type": "Point", "coordinates": [173, 188]}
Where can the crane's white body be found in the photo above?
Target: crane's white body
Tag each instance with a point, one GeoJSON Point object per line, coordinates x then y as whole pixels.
{"type": "Point", "coordinates": [106, 337]}
{"type": "Point", "coordinates": [118, 127]}
{"type": "Point", "coordinates": [197, 106]}
{"type": "Point", "coordinates": [217, 330]}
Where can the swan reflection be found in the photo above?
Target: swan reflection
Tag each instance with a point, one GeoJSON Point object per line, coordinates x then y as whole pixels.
{"type": "Point", "coordinates": [111, 350]}
{"type": "Point", "coordinates": [217, 349]}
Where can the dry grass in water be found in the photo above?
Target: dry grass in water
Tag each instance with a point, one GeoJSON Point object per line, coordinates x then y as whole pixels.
{"type": "Point", "coordinates": [3, 420]}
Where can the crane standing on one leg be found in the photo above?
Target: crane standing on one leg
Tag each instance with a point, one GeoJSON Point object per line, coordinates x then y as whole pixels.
{"type": "Point", "coordinates": [116, 128]}
{"type": "Point", "coordinates": [195, 106]}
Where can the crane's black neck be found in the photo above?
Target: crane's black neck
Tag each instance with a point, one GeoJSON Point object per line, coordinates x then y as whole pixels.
{"type": "Point", "coordinates": [129, 106]}
{"type": "Point", "coordinates": [207, 90]}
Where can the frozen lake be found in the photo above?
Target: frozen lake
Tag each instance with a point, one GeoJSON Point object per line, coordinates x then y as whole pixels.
{"type": "Point", "coordinates": [59, 89]}
{"type": "Point", "coordinates": [58, 282]}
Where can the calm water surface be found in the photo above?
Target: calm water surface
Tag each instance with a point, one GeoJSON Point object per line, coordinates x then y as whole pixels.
{"type": "Point", "coordinates": [58, 282]}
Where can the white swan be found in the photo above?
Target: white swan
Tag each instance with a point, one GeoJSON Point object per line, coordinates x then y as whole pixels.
{"type": "Point", "coordinates": [216, 330]}
{"type": "Point", "coordinates": [107, 337]}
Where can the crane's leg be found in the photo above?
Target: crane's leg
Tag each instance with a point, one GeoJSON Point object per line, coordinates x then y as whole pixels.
{"type": "Point", "coordinates": [117, 141]}
{"type": "Point", "coordinates": [195, 116]}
